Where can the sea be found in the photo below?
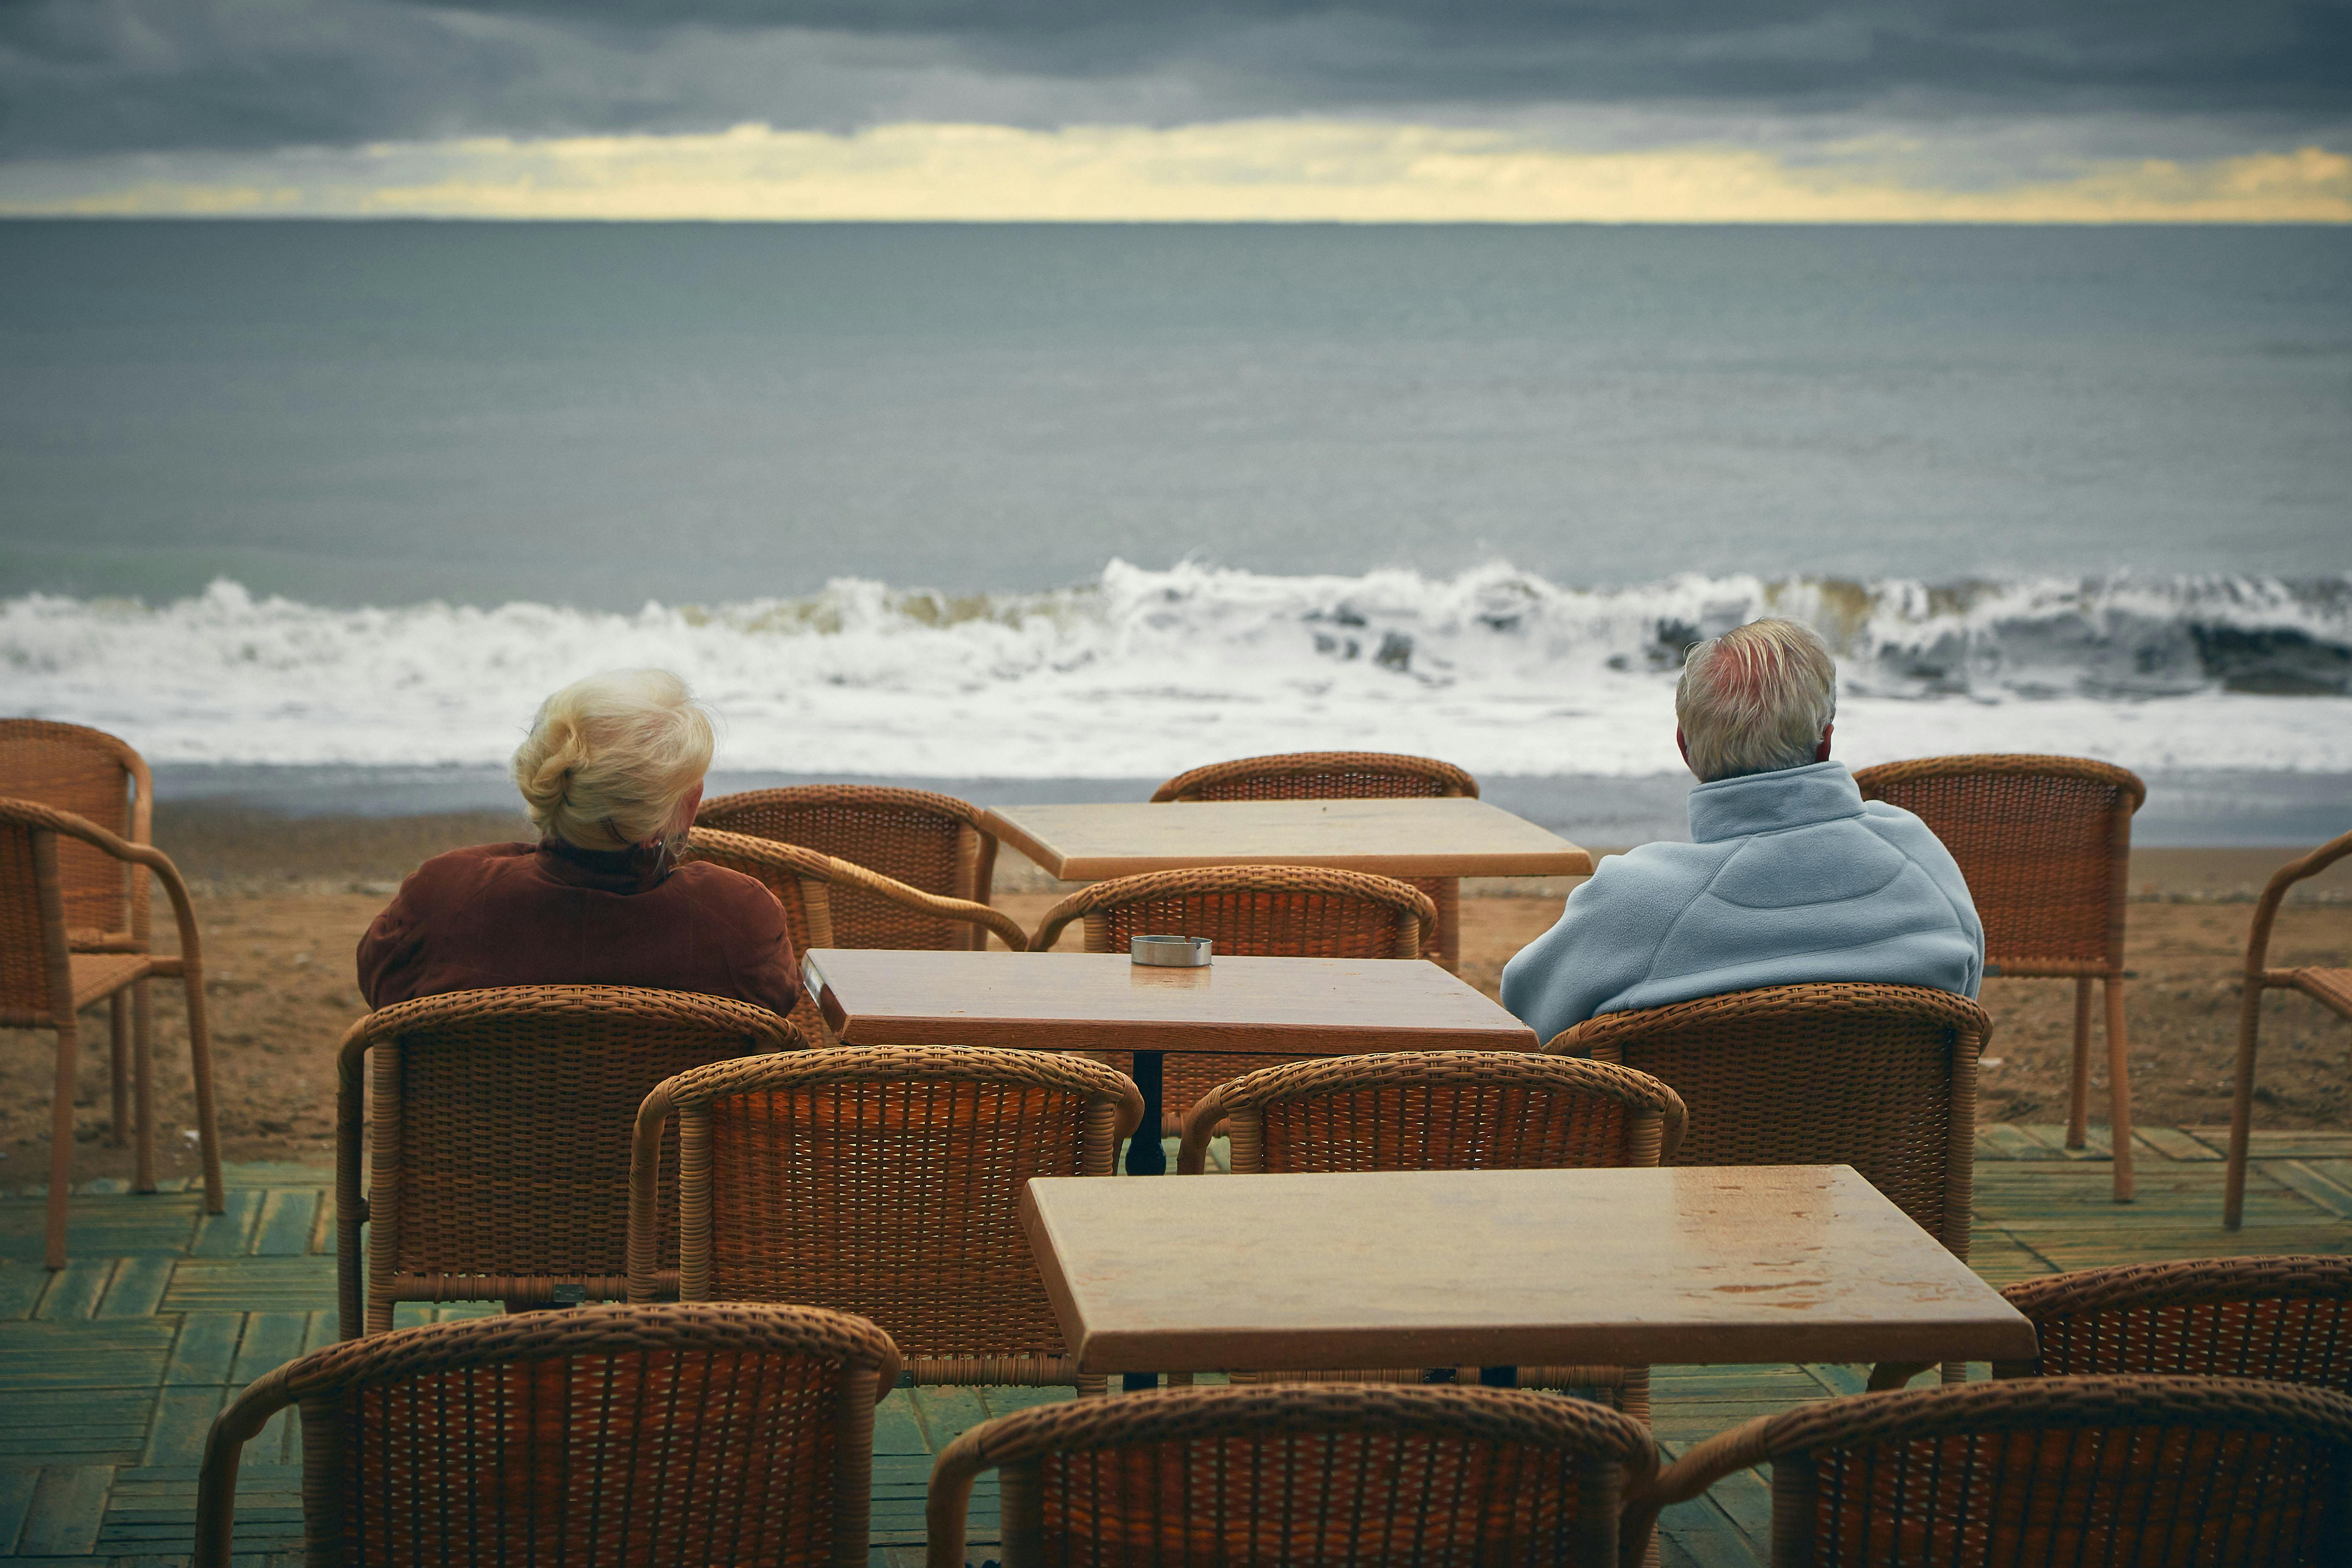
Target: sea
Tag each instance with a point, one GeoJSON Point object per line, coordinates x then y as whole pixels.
{"type": "Point", "coordinates": [314, 513]}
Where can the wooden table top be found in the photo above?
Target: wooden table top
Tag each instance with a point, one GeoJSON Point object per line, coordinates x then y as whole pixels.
{"type": "Point", "coordinates": [1084, 1001]}
{"type": "Point", "coordinates": [1685, 1265]}
{"type": "Point", "coordinates": [1429, 837]}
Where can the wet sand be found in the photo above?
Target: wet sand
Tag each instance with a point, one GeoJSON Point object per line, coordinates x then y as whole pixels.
{"type": "Point", "coordinates": [283, 903]}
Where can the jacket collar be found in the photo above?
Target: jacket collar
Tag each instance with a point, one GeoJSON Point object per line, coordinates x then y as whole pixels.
{"type": "Point", "coordinates": [1766, 802]}
{"type": "Point", "coordinates": [608, 871]}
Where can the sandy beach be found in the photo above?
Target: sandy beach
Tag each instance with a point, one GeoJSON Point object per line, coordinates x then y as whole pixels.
{"type": "Point", "coordinates": [283, 902]}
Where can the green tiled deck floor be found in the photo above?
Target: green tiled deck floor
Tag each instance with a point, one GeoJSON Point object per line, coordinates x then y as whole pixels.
{"type": "Point", "coordinates": [111, 1370]}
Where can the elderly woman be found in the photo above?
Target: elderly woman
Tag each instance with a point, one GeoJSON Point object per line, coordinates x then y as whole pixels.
{"type": "Point", "coordinates": [610, 774]}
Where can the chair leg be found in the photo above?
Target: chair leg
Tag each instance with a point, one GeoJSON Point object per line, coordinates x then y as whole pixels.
{"type": "Point", "coordinates": [2119, 1115]}
{"type": "Point", "coordinates": [61, 1139]}
{"type": "Point", "coordinates": [200, 1060]}
{"type": "Point", "coordinates": [143, 1078]}
{"type": "Point", "coordinates": [2078, 1088]}
{"type": "Point", "coordinates": [118, 1077]}
{"type": "Point", "coordinates": [2242, 1106]}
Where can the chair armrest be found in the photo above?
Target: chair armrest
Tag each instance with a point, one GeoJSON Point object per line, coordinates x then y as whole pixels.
{"type": "Point", "coordinates": [1199, 1126]}
{"type": "Point", "coordinates": [224, 1447]}
{"type": "Point", "coordinates": [851, 874]}
{"type": "Point", "coordinates": [1700, 1466]}
{"type": "Point", "coordinates": [350, 1204]}
{"type": "Point", "coordinates": [2258, 936]}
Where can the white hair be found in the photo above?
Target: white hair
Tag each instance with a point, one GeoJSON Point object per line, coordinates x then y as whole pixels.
{"type": "Point", "coordinates": [610, 758]}
{"type": "Point", "coordinates": [1756, 700]}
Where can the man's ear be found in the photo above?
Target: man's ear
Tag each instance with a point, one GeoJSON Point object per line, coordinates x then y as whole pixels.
{"type": "Point", "coordinates": [1821, 752]}
{"type": "Point", "coordinates": [1682, 744]}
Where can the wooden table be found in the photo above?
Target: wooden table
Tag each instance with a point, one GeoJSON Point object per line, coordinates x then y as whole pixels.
{"type": "Point", "coordinates": [1437, 841]}
{"type": "Point", "coordinates": [1082, 1001]}
{"type": "Point", "coordinates": [1626, 1267]}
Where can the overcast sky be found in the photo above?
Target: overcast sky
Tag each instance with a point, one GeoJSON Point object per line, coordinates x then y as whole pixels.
{"type": "Point", "coordinates": [1163, 108]}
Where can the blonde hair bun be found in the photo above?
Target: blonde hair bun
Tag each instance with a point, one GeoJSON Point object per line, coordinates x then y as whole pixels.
{"type": "Point", "coordinates": [608, 759]}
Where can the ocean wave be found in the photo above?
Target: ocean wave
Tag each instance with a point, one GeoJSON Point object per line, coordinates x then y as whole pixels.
{"type": "Point", "coordinates": [1147, 671]}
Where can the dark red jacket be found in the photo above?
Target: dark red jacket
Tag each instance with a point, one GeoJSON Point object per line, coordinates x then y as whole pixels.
{"type": "Point", "coordinates": [550, 914]}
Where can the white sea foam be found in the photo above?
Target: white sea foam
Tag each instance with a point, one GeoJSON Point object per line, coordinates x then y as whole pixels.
{"type": "Point", "coordinates": [1146, 672]}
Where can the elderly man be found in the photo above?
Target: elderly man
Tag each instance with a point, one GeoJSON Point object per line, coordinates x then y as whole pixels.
{"type": "Point", "coordinates": [1792, 877]}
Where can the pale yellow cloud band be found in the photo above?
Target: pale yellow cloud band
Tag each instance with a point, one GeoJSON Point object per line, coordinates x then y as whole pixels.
{"type": "Point", "coordinates": [1239, 171]}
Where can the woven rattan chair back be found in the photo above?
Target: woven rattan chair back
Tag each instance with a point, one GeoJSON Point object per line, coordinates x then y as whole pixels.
{"type": "Point", "coordinates": [1437, 1111]}
{"type": "Point", "coordinates": [2330, 987]}
{"type": "Point", "coordinates": [2215, 1472]}
{"type": "Point", "coordinates": [1293, 1474]}
{"type": "Point", "coordinates": [34, 986]}
{"type": "Point", "coordinates": [934, 843]}
{"type": "Point", "coordinates": [1321, 776]}
{"type": "Point", "coordinates": [2045, 844]}
{"type": "Point", "coordinates": [1345, 775]}
{"type": "Point", "coordinates": [102, 779]}
{"type": "Point", "coordinates": [812, 886]}
{"type": "Point", "coordinates": [883, 1180]}
{"type": "Point", "coordinates": [1272, 911]}
{"type": "Point", "coordinates": [620, 1437]}
{"type": "Point", "coordinates": [498, 1141]}
{"type": "Point", "coordinates": [2282, 1318]}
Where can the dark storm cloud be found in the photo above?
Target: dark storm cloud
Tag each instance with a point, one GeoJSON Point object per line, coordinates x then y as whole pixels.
{"type": "Point", "coordinates": [88, 76]}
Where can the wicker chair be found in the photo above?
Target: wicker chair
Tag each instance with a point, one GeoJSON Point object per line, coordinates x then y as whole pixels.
{"type": "Point", "coordinates": [933, 843]}
{"type": "Point", "coordinates": [1299, 1474]}
{"type": "Point", "coordinates": [815, 889]}
{"type": "Point", "coordinates": [498, 1148]}
{"type": "Point", "coordinates": [44, 985]}
{"type": "Point", "coordinates": [2331, 988]}
{"type": "Point", "coordinates": [1446, 1110]}
{"type": "Point", "coordinates": [102, 779]}
{"type": "Point", "coordinates": [2217, 1472]}
{"type": "Point", "coordinates": [1881, 1077]}
{"type": "Point", "coordinates": [2045, 844]}
{"type": "Point", "coordinates": [2286, 1319]}
{"type": "Point", "coordinates": [1285, 912]}
{"type": "Point", "coordinates": [883, 1179]}
{"type": "Point", "coordinates": [1345, 775]}
{"type": "Point", "coordinates": [614, 1436]}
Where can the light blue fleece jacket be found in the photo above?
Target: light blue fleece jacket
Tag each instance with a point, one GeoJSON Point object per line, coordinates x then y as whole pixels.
{"type": "Point", "coordinates": [1792, 879]}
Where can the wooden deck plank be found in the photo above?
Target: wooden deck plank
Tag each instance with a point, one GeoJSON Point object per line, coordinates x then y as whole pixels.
{"type": "Point", "coordinates": [2281, 1143]}
{"type": "Point", "coordinates": [69, 1505]}
{"type": "Point", "coordinates": [182, 1417]}
{"type": "Point", "coordinates": [16, 1501]}
{"type": "Point", "coordinates": [21, 1281]}
{"type": "Point", "coordinates": [289, 1215]}
{"type": "Point", "coordinates": [74, 1425]}
{"type": "Point", "coordinates": [73, 1291]}
{"type": "Point", "coordinates": [229, 1233]}
{"type": "Point", "coordinates": [124, 1352]}
{"type": "Point", "coordinates": [270, 1341]}
{"type": "Point", "coordinates": [2173, 1144]}
{"type": "Point", "coordinates": [100, 1227]}
{"type": "Point", "coordinates": [2327, 1183]}
{"type": "Point", "coordinates": [301, 1284]}
{"type": "Point", "coordinates": [207, 1348]}
{"type": "Point", "coordinates": [137, 1290]}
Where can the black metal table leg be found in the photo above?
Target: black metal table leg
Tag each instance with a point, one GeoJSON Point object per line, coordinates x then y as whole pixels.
{"type": "Point", "coordinates": [1145, 1157]}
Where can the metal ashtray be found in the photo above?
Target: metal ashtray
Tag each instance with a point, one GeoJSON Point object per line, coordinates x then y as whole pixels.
{"type": "Point", "coordinates": [1170, 951]}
